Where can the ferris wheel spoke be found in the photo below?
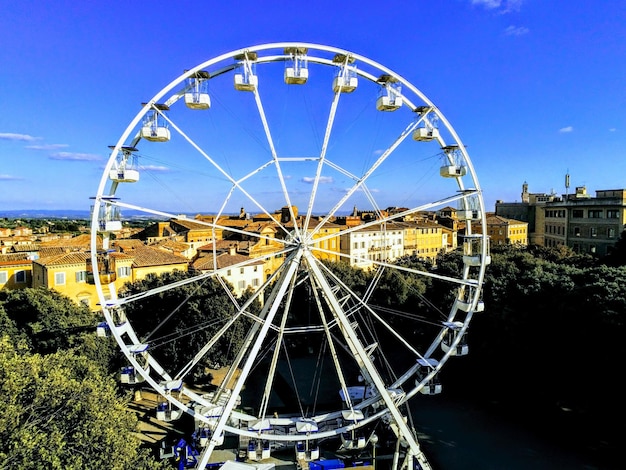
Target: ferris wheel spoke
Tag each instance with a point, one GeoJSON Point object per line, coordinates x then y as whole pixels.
{"type": "Point", "coordinates": [251, 343]}
{"type": "Point", "coordinates": [277, 348]}
{"type": "Point", "coordinates": [361, 304]}
{"type": "Point", "coordinates": [331, 343]}
{"type": "Point", "coordinates": [320, 164]}
{"type": "Point", "coordinates": [279, 172]}
{"type": "Point", "coordinates": [216, 337]}
{"type": "Point", "coordinates": [236, 183]}
{"type": "Point", "coordinates": [366, 175]}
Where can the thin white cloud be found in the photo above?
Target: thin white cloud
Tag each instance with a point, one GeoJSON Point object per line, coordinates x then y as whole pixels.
{"type": "Point", "coordinates": [612, 129]}
{"type": "Point", "coordinates": [323, 179]}
{"type": "Point", "coordinates": [17, 137]}
{"type": "Point", "coordinates": [565, 130]}
{"type": "Point", "coordinates": [75, 157]}
{"type": "Point", "coordinates": [516, 30]}
{"type": "Point", "coordinates": [503, 6]}
{"type": "Point", "coordinates": [154, 168]}
{"type": "Point", "coordinates": [10, 178]}
{"type": "Point", "coordinates": [489, 4]}
{"type": "Point", "coordinates": [46, 146]}
{"type": "Point", "coordinates": [359, 190]}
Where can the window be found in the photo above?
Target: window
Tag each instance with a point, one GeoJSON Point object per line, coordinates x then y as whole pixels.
{"type": "Point", "coordinates": [612, 214]}
{"type": "Point", "coordinates": [242, 285]}
{"type": "Point", "coordinates": [255, 282]}
{"type": "Point", "coordinates": [240, 270]}
{"type": "Point", "coordinates": [595, 213]}
{"type": "Point", "coordinates": [256, 268]}
{"type": "Point", "coordinates": [577, 231]}
{"type": "Point", "coordinates": [3, 277]}
{"type": "Point", "coordinates": [123, 271]}
{"type": "Point", "coordinates": [59, 279]}
{"type": "Point", "coordinates": [81, 276]}
{"type": "Point", "coordinates": [577, 214]}
{"type": "Point", "coordinates": [20, 277]}
{"type": "Point", "coordinates": [611, 233]}
{"type": "Point", "coordinates": [593, 231]}
{"type": "Point", "coordinates": [228, 272]}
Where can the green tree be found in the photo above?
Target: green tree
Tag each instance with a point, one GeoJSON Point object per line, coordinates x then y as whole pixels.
{"type": "Point", "coordinates": [59, 412]}
{"type": "Point", "coordinates": [49, 321]}
{"type": "Point", "coordinates": [178, 322]}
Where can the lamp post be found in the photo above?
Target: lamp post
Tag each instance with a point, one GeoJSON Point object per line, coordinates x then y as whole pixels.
{"type": "Point", "coordinates": [374, 441]}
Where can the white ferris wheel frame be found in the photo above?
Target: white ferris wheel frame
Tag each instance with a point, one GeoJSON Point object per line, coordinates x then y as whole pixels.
{"type": "Point", "coordinates": [297, 249]}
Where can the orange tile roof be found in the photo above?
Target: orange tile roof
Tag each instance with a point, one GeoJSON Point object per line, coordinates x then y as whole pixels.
{"type": "Point", "coordinates": [224, 260]}
{"type": "Point", "coordinates": [146, 256]}
{"type": "Point", "coordinates": [74, 257]}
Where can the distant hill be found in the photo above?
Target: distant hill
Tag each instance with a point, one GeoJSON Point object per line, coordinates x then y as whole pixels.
{"type": "Point", "coordinates": [63, 214]}
{"type": "Point", "coordinates": [45, 214]}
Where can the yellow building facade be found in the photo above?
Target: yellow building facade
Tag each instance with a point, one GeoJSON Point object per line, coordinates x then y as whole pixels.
{"type": "Point", "coordinates": [503, 231]}
{"type": "Point", "coordinates": [69, 275]}
{"type": "Point", "coordinates": [15, 272]}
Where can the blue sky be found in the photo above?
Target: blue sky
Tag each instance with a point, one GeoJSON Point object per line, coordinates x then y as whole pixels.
{"type": "Point", "coordinates": [533, 88]}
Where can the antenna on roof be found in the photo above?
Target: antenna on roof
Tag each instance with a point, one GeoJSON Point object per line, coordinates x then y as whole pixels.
{"type": "Point", "coordinates": [567, 183]}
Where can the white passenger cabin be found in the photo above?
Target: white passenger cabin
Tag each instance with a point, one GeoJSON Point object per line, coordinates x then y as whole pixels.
{"type": "Point", "coordinates": [126, 168]}
{"type": "Point", "coordinates": [109, 219]}
{"type": "Point", "coordinates": [105, 266]}
{"type": "Point", "coordinates": [129, 374]}
{"type": "Point", "coordinates": [425, 133]}
{"type": "Point", "coordinates": [166, 413]}
{"type": "Point", "coordinates": [197, 93]}
{"type": "Point", "coordinates": [433, 387]}
{"type": "Point", "coordinates": [103, 330]}
{"type": "Point", "coordinates": [472, 250]}
{"type": "Point", "coordinates": [246, 78]}
{"type": "Point", "coordinates": [352, 442]}
{"type": "Point", "coordinates": [452, 333]}
{"type": "Point", "coordinates": [258, 450]}
{"type": "Point", "coordinates": [154, 127]}
{"type": "Point", "coordinates": [346, 79]}
{"type": "Point", "coordinates": [465, 299]}
{"type": "Point", "coordinates": [389, 95]}
{"type": "Point", "coordinates": [452, 163]}
{"type": "Point", "coordinates": [296, 70]}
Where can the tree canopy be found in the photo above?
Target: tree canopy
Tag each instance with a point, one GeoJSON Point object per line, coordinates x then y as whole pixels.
{"type": "Point", "coordinates": [60, 412]}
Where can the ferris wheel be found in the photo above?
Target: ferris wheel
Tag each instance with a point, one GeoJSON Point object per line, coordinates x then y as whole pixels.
{"type": "Point", "coordinates": [310, 186]}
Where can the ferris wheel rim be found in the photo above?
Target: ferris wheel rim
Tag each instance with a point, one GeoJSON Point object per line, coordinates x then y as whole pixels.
{"type": "Point", "coordinates": [103, 195]}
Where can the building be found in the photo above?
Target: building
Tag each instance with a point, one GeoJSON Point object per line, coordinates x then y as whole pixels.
{"type": "Point", "coordinates": [236, 268]}
{"type": "Point", "coordinates": [426, 239]}
{"type": "Point", "coordinates": [148, 260]}
{"type": "Point", "coordinates": [68, 273]}
{"type": "Point", "coordinates": [503, 231]}
{"type": "Point", "coordinates": [531, 210]}
{"type": "Point", "coordinates": [377, 242]}
{"type": "Point", "coordinates": [584, 223]}
{"type": "Point", "coordinates": [15, 271]}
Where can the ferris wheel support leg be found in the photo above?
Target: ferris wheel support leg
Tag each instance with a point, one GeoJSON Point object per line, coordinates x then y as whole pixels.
{"type": "Point", "coordinates": [271, 308]}
{"type": "Point", "coordinates": [399, 424]}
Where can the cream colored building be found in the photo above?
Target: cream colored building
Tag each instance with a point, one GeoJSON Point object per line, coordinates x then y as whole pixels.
{"type": "Point", "coordinates": [372, 243]}
{"type": "Point", "coordinates": [237, 269]}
